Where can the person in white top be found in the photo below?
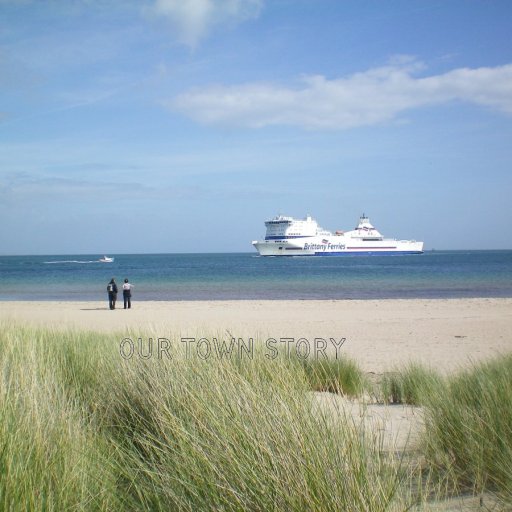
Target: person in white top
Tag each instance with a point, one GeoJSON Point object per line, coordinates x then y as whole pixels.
{"type": "Point", "coordinates": [127, 294]}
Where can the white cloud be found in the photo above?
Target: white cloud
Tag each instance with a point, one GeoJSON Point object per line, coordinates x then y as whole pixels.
{"type": "Point", "coordinates": [193, 19]}
{"type": "Point", "coordinates": [367, 98]}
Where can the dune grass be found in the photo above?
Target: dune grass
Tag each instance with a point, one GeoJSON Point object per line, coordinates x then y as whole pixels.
{"type": "Point", "coordinates": [83, 429]}
{"type": "Point", "coordinates": [341, 375]}
{"type": "Point", "coordinates": [211, 437]}
{"type": "Point", "coordinates": [50, 457]}
{"type": "Point", "coordinates": [469, 428]}
{"type": "Point", "coordinates": [412, 385]}
{"type": "Point", "coordinates": [467, 442]}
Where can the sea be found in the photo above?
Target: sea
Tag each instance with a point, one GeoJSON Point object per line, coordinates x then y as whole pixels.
{"type": "Point", "coordinates": [238, 276]}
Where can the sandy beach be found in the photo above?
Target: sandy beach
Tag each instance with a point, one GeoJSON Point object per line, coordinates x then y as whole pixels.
{"type": "Point", "coordinates": [379, 334]}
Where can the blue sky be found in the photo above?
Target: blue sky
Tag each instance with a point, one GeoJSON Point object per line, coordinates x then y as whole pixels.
{"type": "Point", "coordinates": [180, 126]}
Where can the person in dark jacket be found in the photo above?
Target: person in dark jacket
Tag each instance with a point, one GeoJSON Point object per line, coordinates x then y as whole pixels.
{"type": "Point", "coordinates": [127, 294]}
{"type": "Point", "coordinates": [112, 293]}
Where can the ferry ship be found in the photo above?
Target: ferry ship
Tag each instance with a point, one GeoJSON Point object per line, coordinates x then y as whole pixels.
{"type": "Point", "coordinates": [287, 236]}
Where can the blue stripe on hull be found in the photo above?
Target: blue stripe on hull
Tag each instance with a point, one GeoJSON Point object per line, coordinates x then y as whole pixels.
{"type": "Point", "coordinates": [344, 253]}
{"type": "Point", "coordinates": [366, 253]}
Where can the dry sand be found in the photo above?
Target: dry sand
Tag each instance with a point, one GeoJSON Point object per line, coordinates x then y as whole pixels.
{"type": "Point", "coordinates": [380, 334]}
{"type": "Point", "coordinates": [397, 428]}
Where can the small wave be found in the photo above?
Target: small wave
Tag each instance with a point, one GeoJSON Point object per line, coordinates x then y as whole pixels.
{"type": "Point", "coordinates": [69, 261]}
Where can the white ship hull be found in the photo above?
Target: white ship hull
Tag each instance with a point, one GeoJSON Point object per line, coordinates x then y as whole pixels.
{"type": "Point", "coordinates": [287, 236]}
{"type": "Point", "coordinates": [316, 246]}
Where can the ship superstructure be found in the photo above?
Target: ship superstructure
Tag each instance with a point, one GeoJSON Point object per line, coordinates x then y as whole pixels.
{"type": "Point", "coordinates": [287, 236]}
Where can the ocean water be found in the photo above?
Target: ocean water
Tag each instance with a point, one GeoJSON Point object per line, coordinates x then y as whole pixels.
{"type": "Point", "coordinates": [440, 274]}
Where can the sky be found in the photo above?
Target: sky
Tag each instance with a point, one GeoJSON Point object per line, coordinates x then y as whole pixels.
{"type": "Point", "coordinates": [182, 125]}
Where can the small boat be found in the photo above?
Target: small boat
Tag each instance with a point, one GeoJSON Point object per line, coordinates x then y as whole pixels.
{"type": "Point", "coordinates": [106, 259]}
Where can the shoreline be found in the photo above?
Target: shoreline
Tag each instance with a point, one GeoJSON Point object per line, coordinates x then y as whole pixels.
{"type": "Point", "coordinates": [380, 335]}
{"type": "Point", "coordinates": [270, 299]}
{"type": "Point", "coordinates": [71, 299]}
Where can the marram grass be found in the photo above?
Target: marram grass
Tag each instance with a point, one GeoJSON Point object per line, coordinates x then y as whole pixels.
{"type": "Point", "coordinates": [83, 429]}
{"type": "Point", "coordinates": [51, 457]}
{"type": "Point", "coordinates": [412, 385]}
{"type": "Point", "coordinates": [467, 443]}
{"type": "Point", "coordinates": [469, 428]}
{"type": "Point", "coordinates": [215, 438]}
{"type": "Point", "coordinates": [341, 375]}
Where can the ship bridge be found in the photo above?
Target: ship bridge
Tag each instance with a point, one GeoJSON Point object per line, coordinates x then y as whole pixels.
{"type": "Point", "coordinates": [365, 230]}
{"type": "Point", "coordinates": [281, 227]}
